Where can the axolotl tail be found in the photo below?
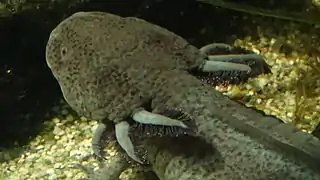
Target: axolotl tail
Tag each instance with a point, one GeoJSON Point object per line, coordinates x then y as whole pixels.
{"type": "Point", "coordinates": [248, 144]}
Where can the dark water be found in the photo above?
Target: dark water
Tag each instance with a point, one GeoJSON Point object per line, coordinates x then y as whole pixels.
{"type": "Point", "coordinates": [29, 91]}
{"type": "Point", "coordinates": [288, 5]}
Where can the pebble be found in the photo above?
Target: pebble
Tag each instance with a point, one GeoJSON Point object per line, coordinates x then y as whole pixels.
{"type": "Point", "coordinates": [58, 131]}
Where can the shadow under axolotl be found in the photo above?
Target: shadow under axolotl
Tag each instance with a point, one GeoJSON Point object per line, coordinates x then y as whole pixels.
{"type": "Point", "coordinates": [190, 147]}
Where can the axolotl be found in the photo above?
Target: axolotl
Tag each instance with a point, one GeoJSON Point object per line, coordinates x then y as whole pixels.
{"type": "Point", "coordinates": [113, 68]}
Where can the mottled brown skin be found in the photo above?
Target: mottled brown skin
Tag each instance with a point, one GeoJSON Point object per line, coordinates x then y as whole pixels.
{"type": "Point", "coordinates": [248, 145]}
{"type": "Point", "coordinates": [122, 63]}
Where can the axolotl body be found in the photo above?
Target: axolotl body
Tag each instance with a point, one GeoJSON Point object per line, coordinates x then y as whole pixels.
{"type": "Point", "coordinates": [110, 68]}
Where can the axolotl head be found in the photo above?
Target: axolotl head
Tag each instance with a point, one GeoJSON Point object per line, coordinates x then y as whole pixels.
{"type": "Point", "coordinates": [78, 49]}
{"type": "Point", "coordinates": [71, 43]}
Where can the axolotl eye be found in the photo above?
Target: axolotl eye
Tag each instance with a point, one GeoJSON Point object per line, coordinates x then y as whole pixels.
{"type": "Point", "coordinates": [56, 54]}
{"type": "Point", "coordinates": [63, 51]}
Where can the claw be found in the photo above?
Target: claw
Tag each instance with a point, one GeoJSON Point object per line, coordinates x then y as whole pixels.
{"type": "Point", "coordinates": [252, 63]}
{"type": "Point", "coordinates": [223, 67]}
{"type": "Point", "coordinates": [151, 130]}
{"type": "Point", "coordinates": [215, 48]}
{"type": "Point", "coordinates": [95, 143]}
{"type": "Point", "coordinates": [122, 135]}
{"type": "Point", "coordinates": [255, 61]}
{"type": "Point", "coordinates": [145, 117]}
{"type": "Point", "coordinates": [214, 66]}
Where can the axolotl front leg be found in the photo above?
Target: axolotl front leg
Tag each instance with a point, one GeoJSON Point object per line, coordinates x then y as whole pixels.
{"type": "Point", "coordinates": [122, 130]}
{"type": "Point", "coordinates": [144, 117]}
{"type": "Point", "coordinates": [237, 66]}
{"type": "Point", "coordinates": [224, 65]}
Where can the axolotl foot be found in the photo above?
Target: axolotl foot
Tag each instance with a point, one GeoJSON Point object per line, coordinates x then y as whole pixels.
{"type": "Point", "coordinates": [145, 124]}
{"type": "Point", "coordinates": [229, 65]}
{"type": "Point", "coordinates": [146, 118]}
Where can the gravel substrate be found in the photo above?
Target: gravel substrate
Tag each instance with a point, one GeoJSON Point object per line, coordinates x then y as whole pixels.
{"type": "Point", "coordinates": [51, 155]}
{"type": "Point", "coordinates": [56, 153]}
{"type": "Point", "coordinates": [67, 139]}
{"type": "Point", "coordinates": [316, 2]}
{"type": "Point", "coordinates": [292, 90]}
